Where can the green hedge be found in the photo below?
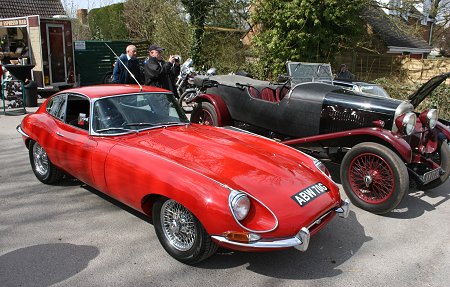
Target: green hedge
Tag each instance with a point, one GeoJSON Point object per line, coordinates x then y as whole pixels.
{"type": "Point", "coordinates": [107, 23]}
{"type": "Point", "coordinates": [439, 98]}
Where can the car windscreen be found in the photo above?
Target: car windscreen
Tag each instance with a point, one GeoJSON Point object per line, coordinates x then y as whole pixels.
{"type": "Point", "coordinates": [374, 90]}
{"type": "Point", "coordinates": [135, 112]}
{"type": "Point", "coordinates": [309, 72]}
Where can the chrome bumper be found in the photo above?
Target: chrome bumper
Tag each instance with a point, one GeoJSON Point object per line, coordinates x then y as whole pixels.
{"type": "Point", "coordinates": [19, 129]}
{"type": "Point", "coordinates": [300, 241]}
{"type": "Point", "coordinates": [344, 210]}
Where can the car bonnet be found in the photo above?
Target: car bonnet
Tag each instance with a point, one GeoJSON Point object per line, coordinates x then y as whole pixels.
{"type": "Point", "coordinates": [254, 164]}
{"type": "Point", "coordinates": [426, 89]}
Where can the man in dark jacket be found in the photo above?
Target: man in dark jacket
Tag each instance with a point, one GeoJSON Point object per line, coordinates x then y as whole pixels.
{"type": "Point", "coordinates": [120, 73]}
{"type": "Point", "coordinates": [160, 73]}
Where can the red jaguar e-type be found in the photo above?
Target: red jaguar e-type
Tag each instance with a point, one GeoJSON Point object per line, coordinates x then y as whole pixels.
{"type": "Point", "coordinates": [203, 186]}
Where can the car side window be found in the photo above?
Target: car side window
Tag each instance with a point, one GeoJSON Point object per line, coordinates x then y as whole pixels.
{"type": "Point", "coordinates": [77, 111]}
{"type": "Point", "coordinates": [56, 106]}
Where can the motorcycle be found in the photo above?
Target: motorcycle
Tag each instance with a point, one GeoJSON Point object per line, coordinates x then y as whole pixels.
{"type": "Point", "coordinates": [186, 86]}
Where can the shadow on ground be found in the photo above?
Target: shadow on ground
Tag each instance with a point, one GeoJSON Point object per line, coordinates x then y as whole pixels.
{"type": "Point", "coordinates": [44, 265]}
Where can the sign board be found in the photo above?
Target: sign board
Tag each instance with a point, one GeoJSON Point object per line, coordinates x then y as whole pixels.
{"type": "Point", "coordinates": [80, 45]}
{"type": "Point", "coordinates": [14, 22]}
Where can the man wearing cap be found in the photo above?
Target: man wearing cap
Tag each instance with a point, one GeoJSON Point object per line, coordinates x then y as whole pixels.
{"type": "Point", "coordinates": [160, 73]}
{"type": "Point", "coordinates": [120, 73]}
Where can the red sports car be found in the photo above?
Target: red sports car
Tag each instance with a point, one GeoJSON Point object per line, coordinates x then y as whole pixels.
{"type": "Point", "coordinates": [203, 186]}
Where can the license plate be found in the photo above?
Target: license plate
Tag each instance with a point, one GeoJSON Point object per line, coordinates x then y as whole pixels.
{"type": "Point", "coordinates": [310, 193]}
{"type": "Point", "coordinates": [431, 175]}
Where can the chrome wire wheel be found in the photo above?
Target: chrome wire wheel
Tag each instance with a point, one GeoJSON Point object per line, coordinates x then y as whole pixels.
{"type": "Point", "coordinates": [40, 159]}
{"type": "Point", "coordinates": [178, 225]}
{"type": "Point", "coordinates": [372, 178]}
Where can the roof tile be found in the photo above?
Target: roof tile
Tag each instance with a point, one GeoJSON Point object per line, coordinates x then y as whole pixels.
{"type": "Point", "coordinates": [20, 8]}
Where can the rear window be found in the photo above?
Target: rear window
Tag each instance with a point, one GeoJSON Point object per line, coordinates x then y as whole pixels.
{"type": "Point", "coordinates": [56, 106]}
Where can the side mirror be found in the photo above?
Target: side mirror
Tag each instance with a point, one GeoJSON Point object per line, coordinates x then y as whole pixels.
{"type": "Point", "coordinates": [82, 119]}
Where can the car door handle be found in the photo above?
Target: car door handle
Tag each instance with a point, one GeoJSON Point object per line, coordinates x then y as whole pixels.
{"type": "Point", "coordinates": [59, 134]}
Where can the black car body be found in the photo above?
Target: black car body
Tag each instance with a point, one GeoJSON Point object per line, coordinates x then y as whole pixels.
{"type": "Point", "coordinates": [383, 146]}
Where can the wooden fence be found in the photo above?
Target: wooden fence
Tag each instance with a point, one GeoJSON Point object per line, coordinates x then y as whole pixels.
{"type": "Point", "coordinates": [368, 67]}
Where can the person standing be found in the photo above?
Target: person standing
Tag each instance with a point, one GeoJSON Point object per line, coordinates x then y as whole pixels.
{"type": "Point", "coordinates": [344, 73]}
{"type": "Point", "coordinates": [160, 73]}
{"type": "Point", "coordinates": [120, 73]}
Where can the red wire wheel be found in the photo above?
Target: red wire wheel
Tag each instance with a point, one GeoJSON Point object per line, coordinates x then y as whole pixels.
{"type": "Point", "coordinates": [371, 178]}
{"type": "Point", "coordinates": [374, 177]}
{"type": "Point", "coordinates": [205, 114]}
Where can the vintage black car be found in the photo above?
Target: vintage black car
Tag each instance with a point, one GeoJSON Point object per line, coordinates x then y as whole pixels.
{"type": "Point", "coordinates": [383, 146]}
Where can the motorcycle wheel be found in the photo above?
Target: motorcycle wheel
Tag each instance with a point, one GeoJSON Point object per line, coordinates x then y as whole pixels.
{"type": "Point", "coordinates": [107, 78]}
{"type": "Point", "coordinates": [186, 101]}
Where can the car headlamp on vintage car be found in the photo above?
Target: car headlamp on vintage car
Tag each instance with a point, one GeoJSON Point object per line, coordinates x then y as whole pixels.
{"type": "Point", "coordinates": [239, 204]}
{"type": "Point", "coordinates": [321, 167]}
{"type": "Point", "coordinates": [406, 123]}
{"type": "Point", "coordinates": [429, 118]}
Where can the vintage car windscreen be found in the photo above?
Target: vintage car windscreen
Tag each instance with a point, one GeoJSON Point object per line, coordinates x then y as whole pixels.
{"type": "Point", "coordinates": [132, 113]}
{"type": "Point", "coordinates": [374, 90]}
{"type": "Point", "coordinates": [309, 72]}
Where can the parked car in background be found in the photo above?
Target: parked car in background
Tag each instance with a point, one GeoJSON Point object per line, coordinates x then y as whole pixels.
{"type": "Point", "coordinates": [382, 144]}
{"type": "Point", "coordinates": [203, 186]}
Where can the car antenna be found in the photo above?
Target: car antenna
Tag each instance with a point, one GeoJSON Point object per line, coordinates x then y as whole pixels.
{"type": "Point", "coordinates": [118, 58]}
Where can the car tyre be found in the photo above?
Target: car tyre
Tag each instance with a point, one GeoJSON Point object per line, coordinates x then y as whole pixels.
{"type": "Point", "coordinates": [205, 114]}
{"type": "Point", "coordinates": [181, 233]}
{"type": "Point", "coordinates": [374, 177]}
{"type": "Point", "coordinates": [443, 158]}
{"type": "Point", "coordinates": [42, 167]}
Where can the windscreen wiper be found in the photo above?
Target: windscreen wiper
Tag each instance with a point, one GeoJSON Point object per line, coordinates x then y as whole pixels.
{"type": "Point", "coordinates": [114, 129]}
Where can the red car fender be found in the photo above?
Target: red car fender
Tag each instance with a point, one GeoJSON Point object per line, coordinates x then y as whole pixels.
{"type": "Point", "coordinates": [398, 143]}
{"type": "Point", "coordinates": [207, 200]}
{"type": "Point", "coordinates": [223, 115]}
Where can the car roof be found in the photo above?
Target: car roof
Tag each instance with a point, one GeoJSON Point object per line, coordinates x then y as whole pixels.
{"type": "Point", "coordinates": [100, 91]}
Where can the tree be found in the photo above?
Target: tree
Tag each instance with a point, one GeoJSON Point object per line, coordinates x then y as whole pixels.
{"type": "Point", "coordinates": [160, 22]}
{"type": "Point", "coordinates": [197, 10]}
{"type": "Point", "coordinates": [303, 30]}
{"type": "Point", "coordinates": [107, 23]}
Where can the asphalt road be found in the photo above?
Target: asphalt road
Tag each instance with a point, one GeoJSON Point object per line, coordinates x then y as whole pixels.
{"type": "Point", "coordinates": [71, 235]}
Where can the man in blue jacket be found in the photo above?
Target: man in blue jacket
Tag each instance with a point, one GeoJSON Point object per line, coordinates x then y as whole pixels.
{"type": "Point", "coordinates": [120, 74]}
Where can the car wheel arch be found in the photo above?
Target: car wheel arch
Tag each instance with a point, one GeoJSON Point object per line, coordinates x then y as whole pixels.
{"type": "Point", "coordinates": [224, 117]}
{"type": "Point", "coordinates": [405, 156]}
{"type": "Point", "coordinates": [27, 143]}
{"type": "Point", "coordinates": [202, 209]}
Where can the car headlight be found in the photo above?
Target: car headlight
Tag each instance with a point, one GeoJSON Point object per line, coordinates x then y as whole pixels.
{"type": "Point", "coordinates": [406, 123]}
{"type": "Point", "coordinates": [429, 118]}
{"type": "Point", "coordinates": [239, 204]}
{"type": "Point", "coordinates": [321, 167]}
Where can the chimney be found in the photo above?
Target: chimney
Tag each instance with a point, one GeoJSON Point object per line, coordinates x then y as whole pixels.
{"type": "Point", "coordinates": [82, 16]}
